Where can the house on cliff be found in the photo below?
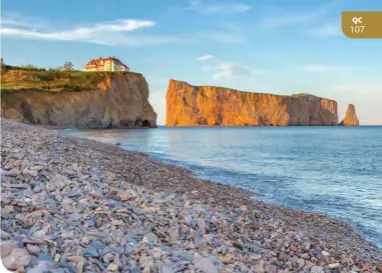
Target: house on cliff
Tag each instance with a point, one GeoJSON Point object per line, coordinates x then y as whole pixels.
{"type": "Point", "coordinates": [106, 64]}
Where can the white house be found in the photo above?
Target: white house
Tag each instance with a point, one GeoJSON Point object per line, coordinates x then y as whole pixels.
{"type": "Point", "coordinates": [106, 64]}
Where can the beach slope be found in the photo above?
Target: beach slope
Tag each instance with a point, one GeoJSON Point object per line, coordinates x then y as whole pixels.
{"type": "Point", "coordinates": [75, 205]}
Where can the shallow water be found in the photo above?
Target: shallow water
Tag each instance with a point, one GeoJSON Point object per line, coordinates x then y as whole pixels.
{"type": "Point", "coordinates": [335, 171]}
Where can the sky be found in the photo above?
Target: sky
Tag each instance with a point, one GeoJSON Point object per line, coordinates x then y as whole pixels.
{"type": "Point", "coordinates": [266, 46]}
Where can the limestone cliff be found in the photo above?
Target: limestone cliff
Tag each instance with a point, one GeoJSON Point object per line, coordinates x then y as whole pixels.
{"type": "Point", "coordinates": [117, 100]}
{"type": "Point", "coordinates": [194, 106]}
{"type": "Point", "coordinates": [350, 118]}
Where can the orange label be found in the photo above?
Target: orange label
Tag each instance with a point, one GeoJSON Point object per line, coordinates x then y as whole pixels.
{"type": "Point", "coordinates": [362, 24]}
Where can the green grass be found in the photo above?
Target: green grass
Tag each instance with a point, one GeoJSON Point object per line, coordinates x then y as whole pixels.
{"type": "Point", "coordinates": [298, 95]}
{"type": "Point", "coordinates": [50, 80]}
{"type": "Point", "coordinates": [25, 68]}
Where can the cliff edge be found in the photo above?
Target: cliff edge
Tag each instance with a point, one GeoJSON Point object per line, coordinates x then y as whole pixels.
{"type": "Point", "coordinates": [77, 99]}
{"type": "Point", "coordinates": [188, 105]}
{"type": "Point", "coordinates": [351, 118]}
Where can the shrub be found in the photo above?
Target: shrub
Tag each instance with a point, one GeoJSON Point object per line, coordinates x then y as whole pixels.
{"type": "Point", "coordinates": [25, 68]}
{"type": "Point", "coordinates": [46, 76]}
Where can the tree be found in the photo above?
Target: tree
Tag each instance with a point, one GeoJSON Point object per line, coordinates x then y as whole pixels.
{"type": "Point", "coordinates": [68, 66]}
{"type": "Point", "coordinates": [29, 67]}
{"type": "Point", "coordinates": [3, 69]}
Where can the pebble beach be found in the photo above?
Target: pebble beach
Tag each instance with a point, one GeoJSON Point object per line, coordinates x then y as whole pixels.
{"type": "Point", "coordinates": [77, 205]}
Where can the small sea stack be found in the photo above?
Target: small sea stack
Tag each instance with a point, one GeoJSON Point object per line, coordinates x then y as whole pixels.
{"type": "Point", "coordinates": [351, 118]}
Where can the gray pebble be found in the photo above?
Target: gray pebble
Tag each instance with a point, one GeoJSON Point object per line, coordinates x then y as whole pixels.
{"type": "Point", "coordinates": [90, 252]}
{"type": "Point", "coordinates": [45, 257]}
{"type": "Point", "coordinates": [135, 270]}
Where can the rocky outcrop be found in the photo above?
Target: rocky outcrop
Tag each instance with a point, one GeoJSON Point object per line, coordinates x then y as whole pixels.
{"type": "Point", "coordinates": [119, 100]}
{"type": "Point", "coordinates": [196, 106]}
{"type": "Point", "coordinates": [350, 118]}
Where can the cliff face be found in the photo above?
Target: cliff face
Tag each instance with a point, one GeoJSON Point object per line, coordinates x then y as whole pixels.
{"type": "Point", "coordinates": [350, 118]}
{"type": "Point", "coordinates": [119, 100]}
{"type": "Point", "coordinates": [192, 106]}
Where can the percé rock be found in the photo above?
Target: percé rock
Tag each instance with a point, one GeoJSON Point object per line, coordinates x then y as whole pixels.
{"type": "Point", "coordinates": [120, 100]}
{"type": "Point", "coordinates": [350, 118]}
{"type": "Point", "coordinates": [189, 105]}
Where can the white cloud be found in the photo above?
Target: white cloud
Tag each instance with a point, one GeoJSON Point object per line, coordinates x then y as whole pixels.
{"type": "Point", "coordinates": [229, 71]}
{"type": "Point", "coordinates": [17, 20]}
{"type": "Point", "coordinates": [205, 57]}
{"type": "Point", "coordinates": [118, 32]}
{"type": "Point", "coordinates": [121, 32]}
{"type": "Point", "coordinates": [328, 30]}
{"type": "Point", "coordinates": [319, 68]}
{"type": "Point", "coordinates": [80, 33]}
{"type": "Point", "coordinates": [217, 7]}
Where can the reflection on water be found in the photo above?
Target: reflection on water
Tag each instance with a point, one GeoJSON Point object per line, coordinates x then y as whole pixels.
{"type": "Point", "coordinates": [136, 137]}
{"type": "Point", "coordinates": [104, 134]}
{"type": "Point", "coordinates": [331, 170]}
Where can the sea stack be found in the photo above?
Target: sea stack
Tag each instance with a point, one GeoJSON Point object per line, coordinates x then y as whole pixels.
{"type": "Point", "coordinates": [188, 105]}
{"type": "Point", "coordinates": [350, 118]}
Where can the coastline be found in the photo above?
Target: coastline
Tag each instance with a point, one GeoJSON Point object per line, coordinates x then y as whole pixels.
{"type": "Point", "coordinates": [61, 127]}
{"type": "Point", "coordinates": [270, 225]}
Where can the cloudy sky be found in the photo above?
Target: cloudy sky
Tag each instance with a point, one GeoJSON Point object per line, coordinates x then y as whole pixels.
{"type": "Point", "coordinates": [273, 46]}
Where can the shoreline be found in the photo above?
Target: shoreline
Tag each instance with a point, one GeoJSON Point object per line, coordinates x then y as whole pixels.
{"type": "Point", "coordinates": [61, 127]}
{"type": "Point", "coordinates": [271, 225]}
{"type": "Point", "coordinates": [158, 126]}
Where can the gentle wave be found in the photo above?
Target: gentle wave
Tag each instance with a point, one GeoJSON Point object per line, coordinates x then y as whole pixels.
{"type": "Point", "coordinates": [336, 171]}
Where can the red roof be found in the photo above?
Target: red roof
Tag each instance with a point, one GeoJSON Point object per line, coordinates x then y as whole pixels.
{"type": "Point", "coordinates": [98, 62]}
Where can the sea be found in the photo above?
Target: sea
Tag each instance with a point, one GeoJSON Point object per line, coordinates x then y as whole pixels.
{"type": "Point", "coordinates": [334, 171]}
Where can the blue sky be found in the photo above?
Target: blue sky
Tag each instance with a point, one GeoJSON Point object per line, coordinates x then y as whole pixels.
{"type": "Point", "coordinates": [273, 46]}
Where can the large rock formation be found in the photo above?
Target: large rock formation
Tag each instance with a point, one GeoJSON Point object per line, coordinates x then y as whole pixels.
{"type": "Point", "coordinates": [193, 106]}
{"type": "Point", "coordinates": [350, 118]}
{"type": "Point", "coordinates": [119, 100]}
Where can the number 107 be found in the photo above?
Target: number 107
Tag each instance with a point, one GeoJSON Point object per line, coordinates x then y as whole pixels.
{"type": "Point", "coordinates": [357, 29]}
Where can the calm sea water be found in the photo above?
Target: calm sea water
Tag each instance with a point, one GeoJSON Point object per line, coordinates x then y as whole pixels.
{"type": "Point", "coordinates": [336, 171]}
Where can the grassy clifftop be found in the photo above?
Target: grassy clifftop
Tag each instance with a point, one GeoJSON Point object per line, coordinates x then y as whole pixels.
{"type": "Point", "coordinates": [50, 81]}
{"type": "Point", "coordinates": [15, 80]}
